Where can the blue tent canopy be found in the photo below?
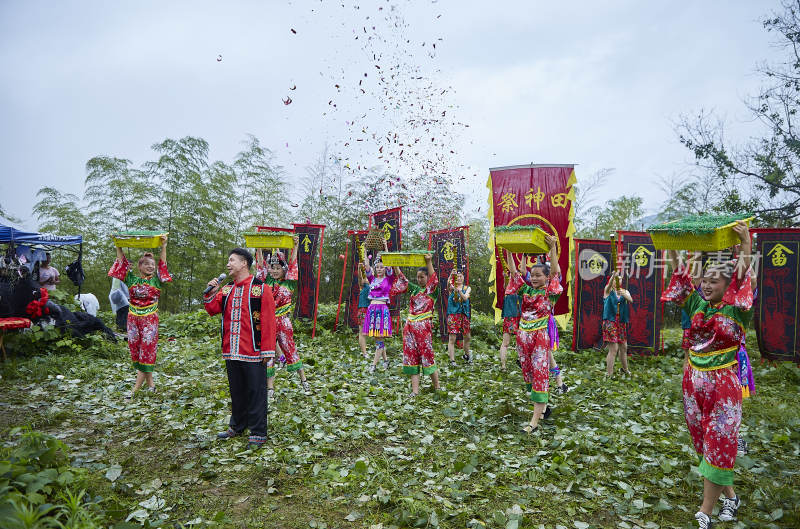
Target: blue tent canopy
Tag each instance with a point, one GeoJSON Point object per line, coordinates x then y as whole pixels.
{"type": "Point", "coordinates": [10, 234]}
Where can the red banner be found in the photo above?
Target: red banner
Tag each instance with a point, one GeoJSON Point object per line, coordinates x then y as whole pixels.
{"type": "Point", "coordinates": [777, 305]}
{"type": "Point", "coordinates": [309, 259]}
{"type": "Point", "coordinates": [533, 195]}
{"type": "Point", "coordinates": [644, 278]}
{"type": "Point", "coordinates": [449, 249]}
{"type": "Point", "coordinates": [391, 222]}
{"type": "Point", "coordinates": [592, 270]}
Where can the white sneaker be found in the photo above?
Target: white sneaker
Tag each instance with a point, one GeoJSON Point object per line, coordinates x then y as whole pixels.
{"type": "Point", "coordinates": [703, 520]}
{"type": "Point", "coordinates": [306, 387]}
{"type": "Point", "coordinates": [372, 368]}
{"type": "Point", "coordinates": [386, 364]}
{"type": "Point", "coordinates": [730, 506]}
{"type": "Point", "coordinates": [270, 394]}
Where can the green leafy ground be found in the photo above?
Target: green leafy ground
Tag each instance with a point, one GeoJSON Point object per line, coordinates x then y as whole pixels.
{"type": "Point", "coordinates": [360, 453]}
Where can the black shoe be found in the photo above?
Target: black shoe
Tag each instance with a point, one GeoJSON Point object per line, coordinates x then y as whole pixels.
{"type": "Point", "coordinates": [563, 388]}
{"type": "Point", "coordinates": [227, 434]}
{"type": "Point", "coordinates": [547, 412]}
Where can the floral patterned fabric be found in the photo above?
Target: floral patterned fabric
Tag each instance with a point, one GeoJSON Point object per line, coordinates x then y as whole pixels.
{"type": "Point", "coordinates": [144, 293]}
{"type": "Point", "coordinates": [362, 313]}
{"type": "Point", "coordinates": [712, 403]}
{"type": "Point", "coordinates": [533, 340]}
{"type": "Point", "coordinates": [615, 331]}
{"type": "Point", "coordinates": [143, 311]}
{"type": "Point", "coordinates": [283, 293]}
{"type": "Point", "coordinates": [686, 341]}
{"type": "Point", "coordinates": [458, 323]}
{"type": "Point", "coordinates": [510, 325]}
{"type": "Point", "coordinates": [717, 329]}
{"type": "Point", "coordinates": [418, 330]}
{"type": "Point", "coordinates": [143, 340]}
{"type": "Point", "coordinates": [712, 392]}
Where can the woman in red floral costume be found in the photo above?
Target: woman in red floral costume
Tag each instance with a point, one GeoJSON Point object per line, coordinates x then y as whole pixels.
{"type": "Point", "coordinates": [145, 290]}
{"type": "Point", "coordinates": [282, 277]}
{"type": "Point", "coordinates": [537, 300]}
{"type": "Point", "coordinates": [712, 391]}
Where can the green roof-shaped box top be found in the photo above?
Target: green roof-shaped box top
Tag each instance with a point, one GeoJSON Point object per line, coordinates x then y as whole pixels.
{"type": "Point", "coordinates": [708, 233]}
{"type": "Point", "coordinates": [699, 224]}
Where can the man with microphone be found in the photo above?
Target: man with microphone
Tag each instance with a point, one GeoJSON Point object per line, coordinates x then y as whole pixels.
{"type": "Point", "coordinates": [248, 344]}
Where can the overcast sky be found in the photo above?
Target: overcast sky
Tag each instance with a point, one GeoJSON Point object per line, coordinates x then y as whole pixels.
{"type": "Point", "coordinates": [595, 83]}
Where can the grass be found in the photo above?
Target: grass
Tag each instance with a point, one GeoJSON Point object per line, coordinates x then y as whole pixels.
{"type": "Point", "coordinates": [360, 453]}
{"type": "Point", "coordinates": [697, 224]}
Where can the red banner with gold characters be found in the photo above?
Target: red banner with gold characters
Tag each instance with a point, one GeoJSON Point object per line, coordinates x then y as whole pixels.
{"type": "Point", "coordinates": [643, 270]}
{"type": "Point", "coordinates": [526, 195]}
{"type": "Point", "coordinates": [449, 252]}
{"type": "Point", "coordinates": [592, 270]}
{"type": "Point", "coordinates": [391, 222]}
{"type": "Point", "coordinates": [777, 306]}
{"type": "Point", "coordinates": [309, 259]}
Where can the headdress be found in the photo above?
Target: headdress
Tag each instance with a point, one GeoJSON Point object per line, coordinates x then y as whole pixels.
{"type": "Point", "coordinates": [278, 258]}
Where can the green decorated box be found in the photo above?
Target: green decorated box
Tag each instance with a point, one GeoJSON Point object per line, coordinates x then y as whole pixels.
{"type": "Point", "coordinates": [708, 233]}
{"type": "Point", "coordinates": [521, 239]}
{"type": "Point", "coordinates": [138, 239]}
{"type": "Point", "coordinates": [403, 258]}
{"type": "Point", "coordinates": [268, 239]}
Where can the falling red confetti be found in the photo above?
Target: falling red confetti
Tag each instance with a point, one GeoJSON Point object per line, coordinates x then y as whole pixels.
{"type": "Point", "coordinates": [287, 101]}
{"type": "Point", "coordinates": [293, 31]}
{"type": "Point", "coordinates": [219, 58]}
{"type": "Point", "coordinates": [294, 87]}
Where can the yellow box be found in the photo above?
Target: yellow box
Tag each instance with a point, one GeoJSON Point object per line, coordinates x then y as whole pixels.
{"type": "Point", "coordinates": [268, 239]}
{"type": "Point", "coordinates": [403, 259]}
{"type": "Point", "coordinates": [141, 239]}
{"type": "Point", "coordinates": [522, 241]}
{"type": "Point", "coordinates": [722, 238]}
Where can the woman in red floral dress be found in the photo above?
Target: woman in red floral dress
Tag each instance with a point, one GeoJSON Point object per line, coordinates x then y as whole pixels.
{"type": "Point", "coordinates": [145, 290]}
{"type": "Point", "coordinates": [282, 277]}
{"type": "Point", "coordinates": [712, 391]}
{"type": "Point", "coordinates": [537, 300]}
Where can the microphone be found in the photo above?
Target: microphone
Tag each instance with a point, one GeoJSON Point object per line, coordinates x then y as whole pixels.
{"type": "Point", "coordinates": [209, 288]}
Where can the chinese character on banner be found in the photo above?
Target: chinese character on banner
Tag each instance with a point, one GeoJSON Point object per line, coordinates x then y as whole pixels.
{"type": "Point", "coordinates": [778, 254]}
{"type": "Point", "coordinates": [775, 310]}
{"type": "Point", "coordinates": [548, 195]}
{"type": "Point", "coordinates": [592, 259]}
{"type": "Point", "coordinates": [509, 202]}
{"type": "Point", "coordinates": [644, 331]}
{"type": "Point", "coordinates": [390, 221]}
{"type": "Point", "coordinates": [537, 197]}
{"type": "Point", "coordinates": [309, 263]}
